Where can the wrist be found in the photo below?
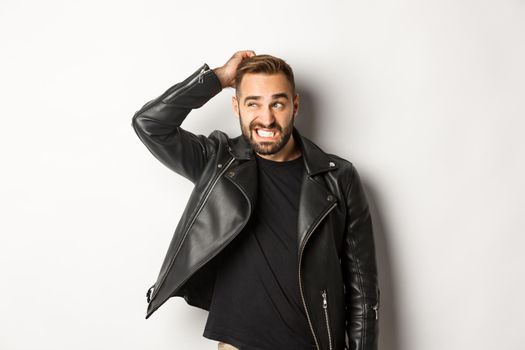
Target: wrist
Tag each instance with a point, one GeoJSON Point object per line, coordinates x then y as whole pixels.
{"type": "Point", "coordinates": [219, 72]}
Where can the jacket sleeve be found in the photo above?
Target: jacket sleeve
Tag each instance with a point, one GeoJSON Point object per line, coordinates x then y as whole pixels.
{"type": "Point", "coordinates": [360, 270]}
{"type": "Point", "coordinates": [157, 124]}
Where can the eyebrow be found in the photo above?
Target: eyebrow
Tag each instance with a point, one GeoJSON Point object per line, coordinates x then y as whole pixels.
{"type": "Point", "coordinates": [274, 96]}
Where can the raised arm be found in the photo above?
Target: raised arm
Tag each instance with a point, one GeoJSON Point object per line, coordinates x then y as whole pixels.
{"type": "Point", "coordinates": [158, 122]}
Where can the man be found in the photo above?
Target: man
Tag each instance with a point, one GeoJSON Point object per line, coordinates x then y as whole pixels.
{"type": "Point", "coordinates": [276, 240]}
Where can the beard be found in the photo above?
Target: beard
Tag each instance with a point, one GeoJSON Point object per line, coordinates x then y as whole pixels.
{"type": "Point", "coordinates": [267, 147]}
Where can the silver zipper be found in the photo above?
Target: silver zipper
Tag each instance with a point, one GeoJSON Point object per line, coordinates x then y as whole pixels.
{"type": "Point", "coordinates": [300, 284]}
{"type": "Point", "coordinates": [201, 73]}
{"type": "Point", "coordinates": [169, 94]}
{"type": "Point", "coordinates": [376, 306]}
{"type": "Point", "coordinates": [325, 307]}
{"type": "Point", "coordinates": [376, 309]}
{"type": "Point", "coordinates": [148, 294]}
{"type": "Point", "coordinates": [209, 189]}
{"type": "Point", "coordinates": [198, 78]}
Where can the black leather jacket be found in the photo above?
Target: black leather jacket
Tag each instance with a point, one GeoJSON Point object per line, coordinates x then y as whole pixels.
{"type": "Point", "coordinates": [337, 272]}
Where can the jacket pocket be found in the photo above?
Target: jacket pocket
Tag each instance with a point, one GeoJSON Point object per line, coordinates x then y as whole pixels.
{"type": "Point", "coordinates": [326, 317]}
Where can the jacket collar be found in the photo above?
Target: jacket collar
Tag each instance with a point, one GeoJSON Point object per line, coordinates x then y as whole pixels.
{"type": "Point", "coordinates": [315, 159]}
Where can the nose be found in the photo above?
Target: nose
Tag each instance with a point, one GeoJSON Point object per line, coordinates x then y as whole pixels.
{"type": "Point", "coordinates": [266, 116]}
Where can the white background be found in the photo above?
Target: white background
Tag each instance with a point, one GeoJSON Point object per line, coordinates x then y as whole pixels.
{"type": "Point", "coordinates": [426, 98]}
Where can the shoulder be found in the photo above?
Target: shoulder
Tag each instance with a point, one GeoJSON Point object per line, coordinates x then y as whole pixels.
{"type": "Point", "coordinates": [224, 144]}
{"type": "Point", "coordinates": [219, 136]}
{"type": "Point", "coordinates": [347, 176]}
{"type": "Point", "coordinates": [341, 169]}
{"type": "Point", "coordinates": [343, 164]}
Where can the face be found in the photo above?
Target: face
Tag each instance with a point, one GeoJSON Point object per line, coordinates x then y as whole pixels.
{"type": "Point", "coordinates": [266, 109]}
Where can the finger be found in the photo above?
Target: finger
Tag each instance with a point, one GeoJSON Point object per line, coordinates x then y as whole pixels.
{"type": "Point", "coordinates": [246, 53]}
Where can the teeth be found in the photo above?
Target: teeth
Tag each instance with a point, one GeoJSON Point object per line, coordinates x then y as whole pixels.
{"type": "Point", "coordinates": [264, 133]}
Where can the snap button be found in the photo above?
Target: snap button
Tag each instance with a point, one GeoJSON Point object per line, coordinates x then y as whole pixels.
{"type": "Point", "coordinates": [219, 165]}
{"type": "Point", "coordinates": [331, 164]}
{"type": "Point", "coordinates": [231, 173]}
{"type": "Point", "coordinates": [330, 198]}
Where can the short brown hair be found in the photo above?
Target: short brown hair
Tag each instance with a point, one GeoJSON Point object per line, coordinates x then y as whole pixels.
{"type": "Point", "coordinates": [266, 64]}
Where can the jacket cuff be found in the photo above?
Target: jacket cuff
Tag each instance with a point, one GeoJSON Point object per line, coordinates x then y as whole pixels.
{"type": "Point", "coordinates": [214, 79]}
{"type": "Point", "coordinates": [203, 82]}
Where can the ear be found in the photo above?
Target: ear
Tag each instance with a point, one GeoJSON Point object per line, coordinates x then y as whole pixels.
{"type": "Point", "coordinates": [235, 105]}
{"type": "Point", "coordinates": [295, 105]}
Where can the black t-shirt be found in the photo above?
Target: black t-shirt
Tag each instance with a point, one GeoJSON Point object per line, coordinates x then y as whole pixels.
{"type": "Point", "coordinates": [256, 303]}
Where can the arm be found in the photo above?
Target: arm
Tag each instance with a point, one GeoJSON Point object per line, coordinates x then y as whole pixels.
{"type": "Point", "coordinates": [157, 124]}
{"type": "Point", "coordinates": [360, 271]}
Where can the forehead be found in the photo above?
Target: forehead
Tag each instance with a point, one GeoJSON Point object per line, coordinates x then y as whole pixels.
{"type": "Point", "coordinates": [263, 84]}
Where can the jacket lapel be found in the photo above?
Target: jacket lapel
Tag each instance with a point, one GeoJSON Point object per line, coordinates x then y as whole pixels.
{"type": "Point", "coordinates": [316, 199]}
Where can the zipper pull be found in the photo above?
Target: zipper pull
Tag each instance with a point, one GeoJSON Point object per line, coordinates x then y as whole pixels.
{"type": "Point", "coordinates": [201, 73]}
{"type": "Point", "coordinates": [325, 304]}
{"type": "Point", "coordinates": [376, 309]}
{"type": "Point", "coordinates": [148, 294]}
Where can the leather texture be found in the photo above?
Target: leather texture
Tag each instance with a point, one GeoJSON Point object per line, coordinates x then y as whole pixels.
{"type": "Point", "coordinates": [337, 272]}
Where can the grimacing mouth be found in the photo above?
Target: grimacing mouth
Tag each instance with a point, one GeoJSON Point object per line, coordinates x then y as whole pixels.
{"type": "Point", "coordinates": [274, 128]}
{"type": "Point", "coordinates": [273, 131]}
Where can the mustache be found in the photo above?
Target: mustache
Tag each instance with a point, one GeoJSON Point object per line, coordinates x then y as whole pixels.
{"type": "Point", "coordinates": [273, 125]}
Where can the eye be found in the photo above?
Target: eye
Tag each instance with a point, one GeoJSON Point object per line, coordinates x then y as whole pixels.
{"type": "Point", "coordinates": [278, 104]}
{"type": "Point", "coordinates": [251, 104]}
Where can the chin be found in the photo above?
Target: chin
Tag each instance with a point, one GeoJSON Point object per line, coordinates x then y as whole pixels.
{"type": "Point", "coordinates": [269, 147]}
